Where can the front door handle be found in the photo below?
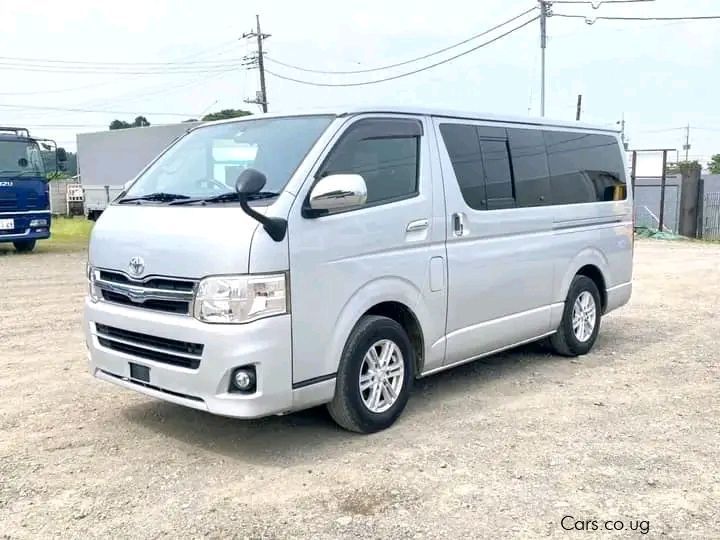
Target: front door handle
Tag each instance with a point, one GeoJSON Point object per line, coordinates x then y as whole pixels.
{"type": "Point", "coordinates": [458, 224]}
{"type": "Point", "coordinates": [417, 225]}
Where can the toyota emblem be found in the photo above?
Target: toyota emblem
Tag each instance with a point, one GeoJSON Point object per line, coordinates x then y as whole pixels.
{"type": "Point", "coordinates": [136, 266]}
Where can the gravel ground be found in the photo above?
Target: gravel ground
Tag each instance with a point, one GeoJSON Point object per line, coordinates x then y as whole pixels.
{"type": "Point", "coordinates": [501, 448]}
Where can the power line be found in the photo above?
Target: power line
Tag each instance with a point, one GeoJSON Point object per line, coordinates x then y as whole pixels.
{"type": "Point", "coordinates": [44, 108]}
{"type": "Point", "coordinates": [112, 63]}
{"type": "Point", "coordinates": [109, 70]}
{"type": "Point", "coordinates": [222, 47]}
{"type": "Point", "coordinates": [596, 4]}
{"type": "Point", "coordinates": [398, 64]}
{"type": "Point", "coordinates": [401, 75]}
{"type": "Point", "coordinates": [587, 19]}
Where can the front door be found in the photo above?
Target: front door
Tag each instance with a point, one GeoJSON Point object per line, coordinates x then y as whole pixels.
{"type": "Point", "coordinates": [500, 262]}
{"type": "Point", "coordinates": [390, 249]}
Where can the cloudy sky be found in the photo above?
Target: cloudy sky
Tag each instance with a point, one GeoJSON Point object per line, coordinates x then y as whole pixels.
{"type": "Point", "coordinates": [660, 75]}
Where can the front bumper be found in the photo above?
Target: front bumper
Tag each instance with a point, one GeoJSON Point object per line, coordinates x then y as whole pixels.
{"type": "Point", "coordinates": [266, 344]}
{"type": "Point", "coordinates": [22, 230]}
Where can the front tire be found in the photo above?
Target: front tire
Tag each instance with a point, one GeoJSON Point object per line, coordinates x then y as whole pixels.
{"type": "Point", "coordinates": [24, 246]}
{"type": "Point", "coordinates": [580, 320]}
{"type": "Point", "coordinates": [375, 376]}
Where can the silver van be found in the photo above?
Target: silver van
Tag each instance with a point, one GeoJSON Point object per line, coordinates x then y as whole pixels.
{"type": "Point", "coordinates": [277, 262]}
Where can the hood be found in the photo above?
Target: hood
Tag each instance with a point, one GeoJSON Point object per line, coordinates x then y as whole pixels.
{"type": "Point", "coordinates": [182, 241]}
{"type": "Point", "coordinates": [23, 193]}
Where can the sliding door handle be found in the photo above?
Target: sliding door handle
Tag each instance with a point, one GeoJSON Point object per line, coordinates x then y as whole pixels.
{"type": "Point", "coordinates": [458, 220]}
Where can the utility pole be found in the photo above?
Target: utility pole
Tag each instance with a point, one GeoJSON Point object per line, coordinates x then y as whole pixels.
{"type": "Point", "coordinates": [261, 98]}
{"type": "Point", "coordinates": [579, 107]}
{"type": "Point", "coordinates": [622, 131]}
{"type": "Point", "coordinates": [686, 146]}
{"type": "Point", "coordinates": [544, 12]}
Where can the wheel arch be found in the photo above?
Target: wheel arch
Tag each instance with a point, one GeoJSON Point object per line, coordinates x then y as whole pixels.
{"type": "Point", "coordinates": [391, 297]}
{"type": "Point", "coordinates": [592, 264]}
{"type": "Point", "coordinates": [406, 318]}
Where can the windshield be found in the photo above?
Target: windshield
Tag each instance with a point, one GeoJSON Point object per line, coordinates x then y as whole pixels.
{"type": "Point", "coordinates": [207, 161]}
{"type": "Point", "coordinates": [20, 158]}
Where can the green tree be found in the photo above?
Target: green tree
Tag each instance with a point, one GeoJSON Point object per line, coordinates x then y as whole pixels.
{"type": "Point", "coordinates": [119, 124]}
{"type": "Point", "coordinates": [140, 121]}
{"type": "Point", "coordinates": [714, 164]}
{"type": "Point", "coordinates": [682, 167]}
{"type": "Point", "coordinates": [225, 113]}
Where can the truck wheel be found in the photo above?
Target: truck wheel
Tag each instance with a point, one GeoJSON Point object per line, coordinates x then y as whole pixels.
{"type": "Point", "coordinates": [24, 246]}
{"type": "Point", "coordinates": [375, 376]}
{"type": "Point", "coordinates": [581, 319]}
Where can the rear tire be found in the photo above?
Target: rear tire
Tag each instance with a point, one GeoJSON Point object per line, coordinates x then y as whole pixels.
{"type": "Point", "coordinates": [24, 246]}
{"type": "Point", "coordinates": [374, 377]}
{"type": "Point", "coordinates": [580, 320]}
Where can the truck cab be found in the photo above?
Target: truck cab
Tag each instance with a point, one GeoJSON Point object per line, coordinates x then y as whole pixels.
{"type": "Point", "coordinates": [24, 191]}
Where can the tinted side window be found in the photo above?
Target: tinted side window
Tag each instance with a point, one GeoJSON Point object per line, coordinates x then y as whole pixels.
{"type": "Point", "coordinates": [584, 167]}
{"type": "Point", "coordinates": [384, 152]}
{"type": "Point", "coordinates": [463, 147]}
{"type": "Point", "coordinates": [498, 178]}
{"type": "Point", "coordinates": [530, 168]}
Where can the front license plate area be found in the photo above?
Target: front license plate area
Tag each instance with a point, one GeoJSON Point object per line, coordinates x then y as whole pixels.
{"type": "Point", "coordinates": [139, 373]}
{"type": "Point", "coordinates": [7, 224]}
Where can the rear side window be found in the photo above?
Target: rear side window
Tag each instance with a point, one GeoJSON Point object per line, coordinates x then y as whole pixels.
{"type": "Point", "coordinates": [584, 167]}
{"type": "Point", "coordinates": [385, 152]}
{"type": "Point", "coordinates": [530, 167]}
{"type": "Point", "coordinates": [463, 146]}
{"type": "Point", "coordinates": [480, 159]}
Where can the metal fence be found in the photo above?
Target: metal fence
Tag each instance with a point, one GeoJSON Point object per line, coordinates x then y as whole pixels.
{"type": "Point", "coordinates": [648, 196]}
{"type": "Point", "coordinates": [711, 216]}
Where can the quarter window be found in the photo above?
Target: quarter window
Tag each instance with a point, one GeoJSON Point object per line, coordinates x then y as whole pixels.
{"type": "Point", "coordinates": [584, 167]}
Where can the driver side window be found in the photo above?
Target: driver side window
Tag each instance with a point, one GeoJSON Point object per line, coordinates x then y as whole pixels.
{"type": "Point", "coordinates": [385, 152]}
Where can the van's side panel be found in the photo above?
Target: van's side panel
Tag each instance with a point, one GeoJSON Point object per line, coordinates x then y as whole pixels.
{"type": "Point", "coordinates": [341, 265]}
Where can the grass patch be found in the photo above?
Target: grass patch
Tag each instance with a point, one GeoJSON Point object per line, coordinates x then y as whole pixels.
{"type": "Point", "coordinates": [66, 235]}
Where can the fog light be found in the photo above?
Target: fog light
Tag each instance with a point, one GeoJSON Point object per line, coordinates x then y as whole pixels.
{"type": "Point", "coordinates": [38, 222]}
{"type": "Point", "coordinates": [243, 379]}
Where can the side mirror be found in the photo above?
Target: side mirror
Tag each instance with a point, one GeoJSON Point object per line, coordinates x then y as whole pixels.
{"type": "Point", "coordinates": [61, 155]}
{"type": "Point", "coordinates": [252, 181]}
{"type": "Point", "coordinates": [337, 192]}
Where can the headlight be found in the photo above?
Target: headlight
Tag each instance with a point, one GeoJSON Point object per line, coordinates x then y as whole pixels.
{"type": "Point", "coordinates": [240, 299]}
{"type": "Point", "coordinates": [92, 290]}
{"type": "Point", "coordinates": [38, 222]}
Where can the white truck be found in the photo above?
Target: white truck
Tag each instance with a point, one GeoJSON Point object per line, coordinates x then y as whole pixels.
{"type": "Point", "coordinates": [109, 159]}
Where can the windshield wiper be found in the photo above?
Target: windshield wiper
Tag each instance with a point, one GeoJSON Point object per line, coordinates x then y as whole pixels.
{"type": "Point", "coordinates": [227, 197]}
{"type": "Point", "coordinates": [159, 196]}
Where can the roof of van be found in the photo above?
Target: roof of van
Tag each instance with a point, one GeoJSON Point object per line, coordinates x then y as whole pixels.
{"type": "Point", "coordinates": [427, 111]}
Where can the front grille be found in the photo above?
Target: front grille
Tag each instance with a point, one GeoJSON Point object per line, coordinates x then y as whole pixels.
{"type": "Point", "coordinates": [171, 284]}
{"type": "Point", "coordinates": [8, 203]}
{"type": "Point", "coordinates": [168, 351]}
{"type": "Point", "coordinates": [169, 306]}
{"type": "Point", "coordinates": [32, 201]}
{"type": "Point", "coordinates": [170, 295]}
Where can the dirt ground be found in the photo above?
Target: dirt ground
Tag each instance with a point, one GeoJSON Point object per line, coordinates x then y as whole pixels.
{"type": "Point", "coordinates": [501, 448]}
